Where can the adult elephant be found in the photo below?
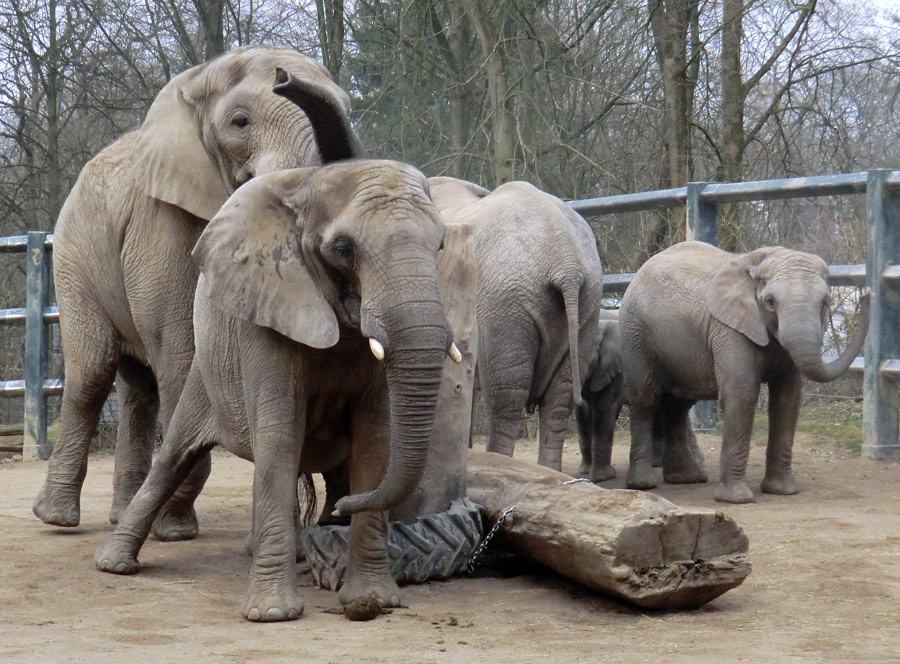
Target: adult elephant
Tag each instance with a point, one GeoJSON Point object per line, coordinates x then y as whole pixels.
{"type": "Point", "coordinates": [124, 276]}
{"type": "Point", "coordinates": [701, 323]}
{"type": "Point", "coordinates": [303, 272]}
{"type": "Point", "coordinates": [539, 289]}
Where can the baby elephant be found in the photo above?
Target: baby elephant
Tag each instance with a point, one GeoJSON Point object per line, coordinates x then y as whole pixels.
{"type": "Point", "coordinates": [701, 323]}
{"type": "Point", "coordinates": [602, 396]}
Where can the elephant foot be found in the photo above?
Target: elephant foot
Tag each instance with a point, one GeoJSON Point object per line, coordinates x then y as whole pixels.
{"type": "Point", "coordinates": [688, 474]}
{"type": "Point", "coordinates": [734, 492]}
{"type": "Point", "coordinates": [782, 484]}
{"type": "Point", "coordinates": [598, 474]}
{"type": "Point", "coordinates": [175, 525]}
{"type": "Point", "coordinates": [115, 557]}
{"type": "Point", "coordinates": [58, 506]}
{"type": "Point", "coordinates": [363, 597]}
{"type": "Point", "coordinates": [640, 476]}
{"type": "Point", "coordinates": [262, 603]}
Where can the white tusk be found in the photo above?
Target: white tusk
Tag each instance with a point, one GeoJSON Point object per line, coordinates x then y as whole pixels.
{"type": "Point", "coordinates": [377, 349]}
{"type": "Point", "coordinates": [454, 353]}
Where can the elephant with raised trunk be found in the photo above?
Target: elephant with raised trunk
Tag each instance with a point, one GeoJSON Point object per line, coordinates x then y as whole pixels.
{"type": "Point", "coordinates": [321, 337]}
{"type": "Point", "coordinates": [539, 289]}
{"type": "Point", "coordinates": [124, 276]}
{"type": "Point", "coordinates": [701, 323]}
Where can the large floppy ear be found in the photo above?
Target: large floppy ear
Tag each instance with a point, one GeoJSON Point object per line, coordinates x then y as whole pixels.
{"type": "Point", "coordinates": [609, 360]}
{"type": "Point", "coordinates": [250, 256]}
{"type": "Point", "coordinates": [731, 296]}
{"type": "Point", "coordinates": [169, 158]}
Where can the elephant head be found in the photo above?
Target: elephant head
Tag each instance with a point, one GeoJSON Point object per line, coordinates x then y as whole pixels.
{"type": "Point", "coordinates": [215, 126]}
{"type": "Point", "coordinates": [782, 294]}
{"type": "Point", "coordinates": [346, 252]}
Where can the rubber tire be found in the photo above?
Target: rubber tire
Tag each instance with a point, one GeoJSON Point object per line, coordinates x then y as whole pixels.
{"type": "Point", "coordinates": [435, 546]}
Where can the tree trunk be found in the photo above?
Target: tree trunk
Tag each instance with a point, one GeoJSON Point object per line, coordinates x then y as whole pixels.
{"type": "Point", "coordinates": [489, 28]}
{"type": "Point", "coordinates": [211, 14]}
{"type": "Point", "coordinates": [732, 114]}
{"type": "Point", "coordinates": [331, 35]}
{"type": "Point", "coordinates": [629, 544]}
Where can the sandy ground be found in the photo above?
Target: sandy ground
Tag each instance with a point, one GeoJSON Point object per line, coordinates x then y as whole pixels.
{"type": "Point", "coordinates": [825, 586]}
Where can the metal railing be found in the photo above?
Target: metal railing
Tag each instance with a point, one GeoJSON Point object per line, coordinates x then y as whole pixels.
{"type": "Point", "coordinates": [36, 315]}
{"type": "Point", "coordinates": [881, 272]}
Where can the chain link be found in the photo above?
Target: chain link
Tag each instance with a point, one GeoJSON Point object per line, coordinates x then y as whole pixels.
{"type": "Point", "coordinates": [470, 567]}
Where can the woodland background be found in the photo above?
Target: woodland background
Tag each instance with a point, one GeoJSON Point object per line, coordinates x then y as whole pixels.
{"type": "Point", "coordinates": [583, 98]}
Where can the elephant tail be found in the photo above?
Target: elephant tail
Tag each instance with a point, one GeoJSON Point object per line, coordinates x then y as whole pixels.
{"type": "Point", "coordinates": [570, 289]}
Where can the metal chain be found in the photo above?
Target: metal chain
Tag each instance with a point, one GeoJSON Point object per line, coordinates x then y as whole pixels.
{"type": "Point", "coordinates": [470, 566]}
{"type": "Point", "coordinates": [577, 479]}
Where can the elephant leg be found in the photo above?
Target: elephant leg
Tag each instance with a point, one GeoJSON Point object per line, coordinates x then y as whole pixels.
{"type": "Point", "coordinates": [680, 465]}
{"type": "Point", "coordinates": [90, 370]}
{"type": "Point", "coordinates": [178, 520]}
{"type": "Point", "coordinates": [189, 438]}
{"type": "Point", "coordinates": [640, 458]}
{"type": "Point", "coordinates": [138, 404]}
{"type": "Point", "coordinates": [554, 410]}
{"type": "Point", "coordinates": [368, 586]}
{"type": "Point", "coordinates": [585, 437]}
{"type": "Point", "coordinates": [784, 409]}
{"type": "Point", "coordinates": [604, 414]}
{"type": "Point", "coordinates": [739, 402]}
{"type": "Point", "coordinates": [505, 419]}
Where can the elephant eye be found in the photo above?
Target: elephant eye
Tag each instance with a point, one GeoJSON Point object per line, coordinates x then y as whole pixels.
{"type": "Point", "coordinates": [341, 249]}
{"type": "Point", "coordinates": [240, 121]}
{"type": "Point", "coordinates": [769, 301]}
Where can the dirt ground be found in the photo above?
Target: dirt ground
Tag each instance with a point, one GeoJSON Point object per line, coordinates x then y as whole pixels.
{"type": "Point", "coordinates": [825, 585]}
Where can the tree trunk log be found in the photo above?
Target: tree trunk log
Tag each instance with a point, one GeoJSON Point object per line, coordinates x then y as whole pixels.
{"type": "Point", "coordinates": [630, 544]}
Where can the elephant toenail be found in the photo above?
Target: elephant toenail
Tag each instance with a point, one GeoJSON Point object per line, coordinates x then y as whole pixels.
{"type": "Point", "coordinates": [292, 614]}
{"type": "Point", "coordinates": [380, 603]}
{"type": "Point", "coordinates": [121, 567]}
{"type": "Point", "coordinates": [395, 601]}
{"type": "Point", "coordinates": [253, 614]}
{"type": "Point", "coordinates": [274, 614]}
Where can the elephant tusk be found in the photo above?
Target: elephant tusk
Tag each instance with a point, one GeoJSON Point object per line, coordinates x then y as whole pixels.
{"type": "Point", "coordinates": [377, 349]}
{"type": "Point", "coordinates": [454, 353]}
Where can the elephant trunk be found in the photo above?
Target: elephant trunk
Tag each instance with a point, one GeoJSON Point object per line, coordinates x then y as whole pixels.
{"type": "Point", "coordinates": [803, 341]}
{"type": "Point", "coordinates": [414, 360]}
{"type": "Point", "coordinates": [333, 134]}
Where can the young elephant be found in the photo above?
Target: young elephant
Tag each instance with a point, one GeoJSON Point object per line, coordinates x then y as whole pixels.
{"type": "Point", "coordinates": [539, 289]}
{"type": "Point", "coordinates": [306, 274]}
{"type": "Point", "coordinates": [602, 396]}
{"type": "Point", "coordinates": [700, 323]}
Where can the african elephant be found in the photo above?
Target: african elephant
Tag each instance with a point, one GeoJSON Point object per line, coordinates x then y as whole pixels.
{"type": "Point", "coordinates": [602, 396]}
{"type": "Point", "coordinates": [700, 323]}
{"type": "Point", "coordinates": [124, 276]}
{"type": "Point", "coordinates": [306, 274]}
{"type": "Point", "coordinates": [539, 288]}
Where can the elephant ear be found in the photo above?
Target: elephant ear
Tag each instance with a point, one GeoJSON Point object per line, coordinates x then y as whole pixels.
{"type": "Point", "coordinates": [170, 159]}
{"type": "Point", "coordinates": [731, 296]}
{"type": "Point", "coordinates": [250, 256]}
{"type": "Point", "coordinates": [609, 360]}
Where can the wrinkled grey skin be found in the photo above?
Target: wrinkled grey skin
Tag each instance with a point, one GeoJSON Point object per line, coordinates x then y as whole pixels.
{"type": "Point", "coordinates": [539, 289]}
{"type": "Point", "coordinates": [602, 397]}
{"type": "Point", "coordinates": [124, 276]}
{"type": "Point", "coordinates": [300, 268]}
{"type": "Point", "coordinates": [700, 323]}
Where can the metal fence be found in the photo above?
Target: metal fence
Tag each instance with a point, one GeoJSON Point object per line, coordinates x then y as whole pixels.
{"type": "Point", "coordinates": [36, 315]}
{"type": "Point", "coordinates": [881, 273]}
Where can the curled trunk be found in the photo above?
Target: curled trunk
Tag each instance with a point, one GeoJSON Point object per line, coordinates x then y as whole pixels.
{"type": "Point", "coordinates": [804, 344]}
{"type": "Point", "coordinates": [414, 366]}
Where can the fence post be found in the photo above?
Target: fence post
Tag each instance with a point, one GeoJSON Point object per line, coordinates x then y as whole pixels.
{"type": "Point", "coordinates": [702, 226]}
{"type": "Point", "coordinates": [37, 280]}
{"type": "Point", "coordinates": [881, 399]}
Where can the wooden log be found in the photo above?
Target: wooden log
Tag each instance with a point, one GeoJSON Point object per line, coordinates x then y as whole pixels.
{"type": "Point", "coordinates": [630, 544]}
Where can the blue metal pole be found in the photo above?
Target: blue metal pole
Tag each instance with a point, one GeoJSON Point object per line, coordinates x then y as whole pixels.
{"type": "Point", "coordinates": [702, 226]}
{"type": "Point", "coordinates": [881, 399]}
{"type": "Point", "coordinates": [37, 280]}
